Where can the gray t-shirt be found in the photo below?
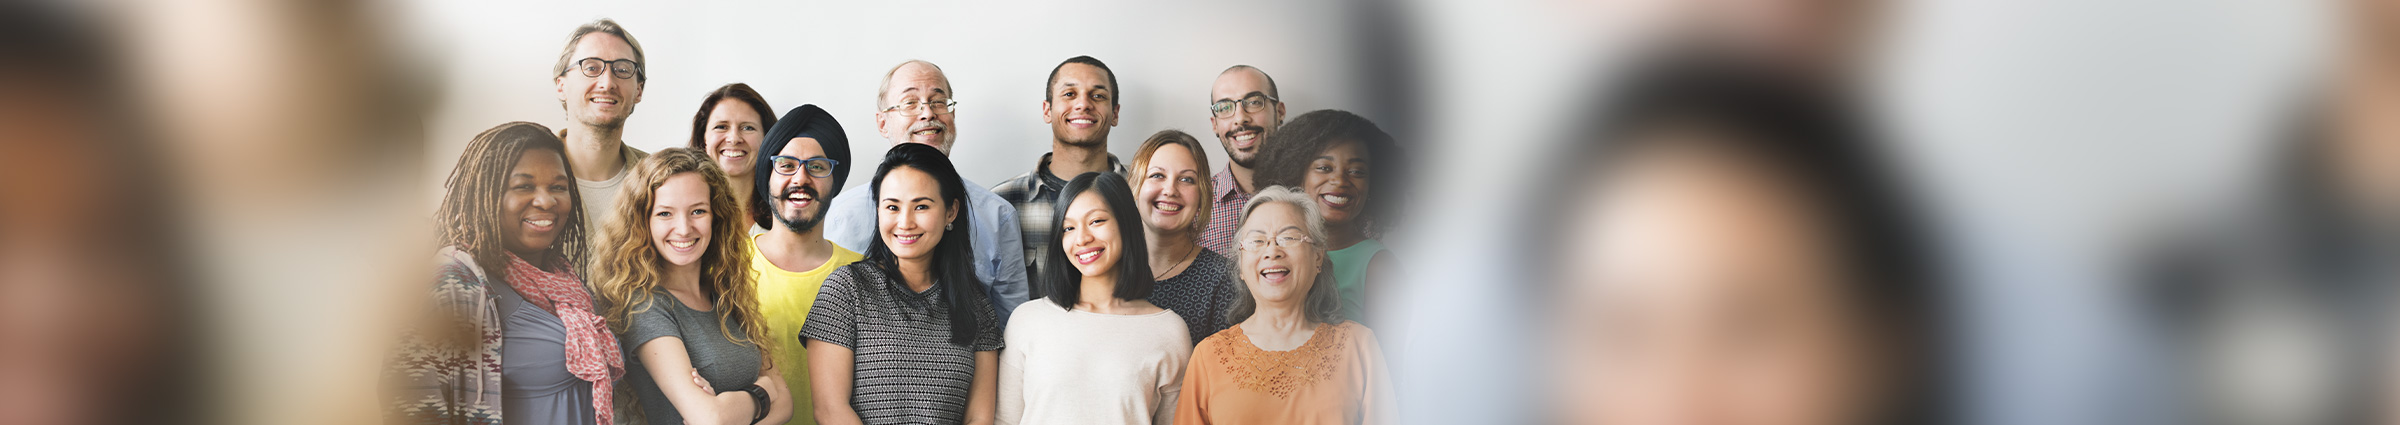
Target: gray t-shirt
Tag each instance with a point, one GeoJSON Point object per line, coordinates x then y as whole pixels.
{"type": "Point", "coordinates": [536, 386]}
{"type": "Point", "coordinates": [728, 366]}
{"type": "Point", "coordinates": [600, 197]}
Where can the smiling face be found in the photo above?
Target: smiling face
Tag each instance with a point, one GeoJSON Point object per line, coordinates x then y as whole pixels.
{"type": "Point", "coordinates": [799, 198]}
{"type": "Point", "coordinates": [680, 219]}
{"type": "Point", "coordinates": [1090, 235]}
{"type": "Point", "coordinates": [1277, 275]}
{"type": "Point", "coordinates": [1170, 190]}
{"type": "Point", "coordinates": [1081, 106]}
{"type": "Point", "coordinates": [1337, 180]}
{"type": "Point", "coordinates": [535, 203]}
{"type": "Point", "coordinates": [733, 136]}
{"type": "Point", "coordinates": [604, 101]}
{"type": "Point", "coordinates": [1241, 133]}
{"type": "Point", "coordinates": [916, 82]}
{"type": "Point", "coordinates": [1704, 294]}
{"type": "Point", "coordinates": [911, 214]}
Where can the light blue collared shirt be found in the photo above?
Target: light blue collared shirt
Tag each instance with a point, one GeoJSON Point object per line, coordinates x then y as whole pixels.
{"type": "Point", "coordinates": [998, 239]}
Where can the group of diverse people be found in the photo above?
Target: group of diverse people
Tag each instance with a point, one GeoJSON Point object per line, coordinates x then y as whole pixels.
{"type": "Point", "coordinates": [736, 280]}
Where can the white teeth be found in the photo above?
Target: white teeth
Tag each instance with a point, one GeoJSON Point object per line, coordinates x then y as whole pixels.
{"type": "Point", "coordinates": [683, 244]}
{"type": "Point", "coordinates": [736, 154]}
{"type": "Point", "coordinates": [542, 223]}
{"type": "Point", "coordinates": [1337, 200]}
{"type": "Point", "coordinates": [607, 101]}
{"type": "Point", "coordinates": [1088, 256]}
{"type": "Point", "coordinates": [1246, 137]}
{"type": "Point", "coordinates": [1079, 121]}
{"type": "Point", "coordinates": [1162, 206]}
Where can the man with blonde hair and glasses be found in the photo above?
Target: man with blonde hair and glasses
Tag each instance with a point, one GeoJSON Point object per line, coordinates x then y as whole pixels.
{"type": "Point", "coordinates": [914, 105]}
{"type": "Point", "coordinates": [599, 77]}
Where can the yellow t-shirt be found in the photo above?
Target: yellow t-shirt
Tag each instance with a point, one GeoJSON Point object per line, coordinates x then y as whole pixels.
{"type": "Point", "coordinates": [783, 298]}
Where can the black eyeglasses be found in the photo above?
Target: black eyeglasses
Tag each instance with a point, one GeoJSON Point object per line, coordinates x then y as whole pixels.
{"type": "Point", "coordinates": [1250, 104]}
{"type": "Point", "coordinates": [622, 68]}
{"type": "Point", "coordinates": [817, 167]}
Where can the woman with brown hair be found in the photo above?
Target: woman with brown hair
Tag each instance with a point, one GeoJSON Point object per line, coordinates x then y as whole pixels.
{"type": "Point", "coordinates": [679, 294]}
{"type": "Point", "coordinates": [733, 119]}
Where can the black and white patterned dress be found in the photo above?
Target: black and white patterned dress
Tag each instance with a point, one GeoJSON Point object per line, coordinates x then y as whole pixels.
{"type": "Point", "coordinates": [905, 370]}
{"type": "Point", "coordinates": [1201, 294]}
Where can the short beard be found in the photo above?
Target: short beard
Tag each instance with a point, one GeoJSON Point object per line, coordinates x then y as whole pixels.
{"type": "Point", "coordinates": [1236, 156]}
{"type": "Point", "coordinates": [802, 225]}
{"type": "Point", "coordinates": [603, 124]}
{"type": "Point", "coordinates": [1246, 161]}
{"type": "Point", "coordinates": [1100, 139]}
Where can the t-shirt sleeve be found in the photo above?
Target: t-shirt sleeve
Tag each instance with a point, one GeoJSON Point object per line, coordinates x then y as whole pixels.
{"type": "Point", "coordinates": [1012, 373]}
{"type": "Point", "coordinates": [1170, 379]}
{"type": "Point", "coordinates": [650, 320]}
{"type": "Point", "coordinates": [1376, 393]}
{"type": "Point", "coordinates": [987, 328]}
{"type": "Point", "coordinates": [832, 317]}
{"type": "Point", "coordinates": [1192, 399]}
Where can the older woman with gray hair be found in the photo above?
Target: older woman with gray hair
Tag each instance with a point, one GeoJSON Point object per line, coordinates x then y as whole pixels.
{"type": "Point", "coordinates": [1289, 357]}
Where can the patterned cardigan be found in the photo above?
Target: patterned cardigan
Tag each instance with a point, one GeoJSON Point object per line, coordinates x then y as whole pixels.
{"type": "Point", "coordinates": [446, 369]}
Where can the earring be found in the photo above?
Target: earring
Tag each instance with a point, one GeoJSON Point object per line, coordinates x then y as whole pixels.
{"type": "Point", "coordinates": [946, 226]}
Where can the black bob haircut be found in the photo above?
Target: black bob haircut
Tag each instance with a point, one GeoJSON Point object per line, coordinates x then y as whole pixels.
{"type": "Point", "coordinates": [953, 257]}
{"type": "Point", "coordinates": [1815, 144]}
{"type": "Point", "coordinates": [803, 121]}
{"type": "Point", "coordinates": [1061, 282]}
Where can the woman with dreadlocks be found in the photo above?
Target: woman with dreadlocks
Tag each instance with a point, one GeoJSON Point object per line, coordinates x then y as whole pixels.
{"type": "Point", "coordinates": [508, 299]}
{"type": "Point", "coordinates": [676, 265]}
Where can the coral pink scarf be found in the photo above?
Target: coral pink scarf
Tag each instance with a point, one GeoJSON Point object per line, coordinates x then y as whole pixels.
{"type": "Point", "coordinates": [592, 352]}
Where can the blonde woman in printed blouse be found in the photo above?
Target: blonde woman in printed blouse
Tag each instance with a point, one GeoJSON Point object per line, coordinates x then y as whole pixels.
{"type": "Point", "coordinates": [1289, 358]}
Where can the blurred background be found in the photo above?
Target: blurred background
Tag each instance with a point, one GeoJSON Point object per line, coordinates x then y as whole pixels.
{"type": "Point", "coordinates": [212, 208]}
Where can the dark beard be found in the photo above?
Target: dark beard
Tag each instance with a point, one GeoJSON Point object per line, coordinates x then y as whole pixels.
{"type": "Point", "coordinates": [1235, 156]}
{"type": "Point", "coordinates": [1098, 139]}
{"type": "Point", "coordinates": [812, 221]}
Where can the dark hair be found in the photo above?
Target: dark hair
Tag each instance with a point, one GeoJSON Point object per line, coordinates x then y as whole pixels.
{"type": "Point", "coordinates": [738, 91]}
{"type": "Point", "coordinates": [641, 73]}
{"type": "Point", "coordinates": [469, 217]}
{"type": "Point", "coordinates": [1113, 88]}
{"type": "Point", "coordinates": [1284, 159]}
{"type": "Point", "coordinates": [953, 257]}
{"type": "Point", "coordinates": [807, 121]}
{"type": "Point", "coordinates": [1271, 90]}
{"type": "Point", "coordinates": [1061, 282]}
{"type": "Point", "coordinates": [1812, 142]}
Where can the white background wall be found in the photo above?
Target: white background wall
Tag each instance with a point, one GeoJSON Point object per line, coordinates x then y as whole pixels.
{"type": "Point", "coordinates": [494, 58]}
{"type": "Point", "coordinates": [2051, 134]}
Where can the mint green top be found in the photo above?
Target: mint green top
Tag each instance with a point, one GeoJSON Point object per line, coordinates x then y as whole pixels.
{"type": "Point", "coordinates": [1350, 276]}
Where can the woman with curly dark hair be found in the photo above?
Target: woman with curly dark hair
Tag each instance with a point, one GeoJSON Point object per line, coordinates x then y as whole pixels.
{"type": "Point", "coordinates": [1350, 168]}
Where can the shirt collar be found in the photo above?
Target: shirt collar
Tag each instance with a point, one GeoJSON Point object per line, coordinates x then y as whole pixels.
{"type": "Point", "coordinates": [1041, 171]}
{"type": "Point", "coordinates": [1226, 187]}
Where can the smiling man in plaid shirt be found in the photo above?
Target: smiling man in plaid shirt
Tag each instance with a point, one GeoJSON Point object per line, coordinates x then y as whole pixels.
{"type": "Point", "coordinates": [1243, 110]}
{"type": "Point", "coordinates": [1080, 104]}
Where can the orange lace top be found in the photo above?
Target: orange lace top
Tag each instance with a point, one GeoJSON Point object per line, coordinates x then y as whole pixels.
{"type": "Point", "coordinates": [1334, 378]}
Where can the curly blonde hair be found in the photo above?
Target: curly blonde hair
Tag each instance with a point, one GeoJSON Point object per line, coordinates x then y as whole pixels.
{"type": "Point", "coordinates": [627, 265]}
